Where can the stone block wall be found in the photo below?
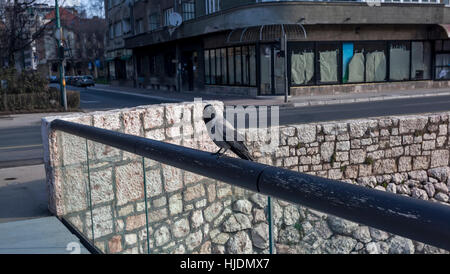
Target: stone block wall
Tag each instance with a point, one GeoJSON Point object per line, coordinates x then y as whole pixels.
{"type": "Point", "coordinates": [127, 204]}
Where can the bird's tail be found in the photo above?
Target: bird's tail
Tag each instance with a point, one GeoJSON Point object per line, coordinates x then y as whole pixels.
{"type": "Point", "coordinates": [245, 155]}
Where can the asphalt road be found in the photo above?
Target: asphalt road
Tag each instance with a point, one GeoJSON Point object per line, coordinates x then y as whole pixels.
{"type": "Point", "coordinates": [364, 110]}
{"type": "Point", "coordinates": [93, 100]}
{"type": "Point", "coordinates": [22, 145]}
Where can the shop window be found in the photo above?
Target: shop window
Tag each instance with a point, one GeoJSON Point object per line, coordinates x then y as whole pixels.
{"type": "Point", "coordinates": [328, 63]}
{"type": "Point", "coordinates": [420, 60]}
{"type": "Point", "coordinates": [252, 54]}
{"type": "Point", "coordinates": [302, 66]}
{"type": "Point", "coordinates": [207, 68]}
{"type": "Point", "coordinates": [219, 72]}
{"type": "Point", "coordinates": [364, 62]}
{"type": "Point", "coordinates": [238, 64]}
{"type": "Point", "coordinates": [442, 66]}
{"type": "Point", "coordinates": [212, 58]}
{"type": "Point", "coordinates": [245, 66]}
{"type": "Point", "coordinates": [399, 61]}
{"type": "Point", "coordinates": [231, 70]}
{"type": "Point", "coordinates": [170, 66]}
{"type": "Point", "coordinates": [223, 61]}
{"type": "Point", "coordinates": [266, 69]}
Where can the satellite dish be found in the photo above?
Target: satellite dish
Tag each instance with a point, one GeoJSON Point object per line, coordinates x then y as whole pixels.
{"type": "Point", "coordinates": [175, 19]}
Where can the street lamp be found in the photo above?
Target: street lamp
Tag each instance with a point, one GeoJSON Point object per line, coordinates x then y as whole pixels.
{"type": "Point", "coordinates": [60, 39]}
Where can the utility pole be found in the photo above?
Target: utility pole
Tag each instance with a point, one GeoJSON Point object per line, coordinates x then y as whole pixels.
{"type": "Point", "coordinates": [61, 53]}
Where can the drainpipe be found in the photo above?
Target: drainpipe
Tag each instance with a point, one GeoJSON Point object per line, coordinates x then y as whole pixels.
{"type": "Point", "coordinates": [286, 82]}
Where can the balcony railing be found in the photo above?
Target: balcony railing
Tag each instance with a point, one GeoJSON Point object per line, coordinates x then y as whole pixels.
{"type": "Point", "coordinates": [113, 195]}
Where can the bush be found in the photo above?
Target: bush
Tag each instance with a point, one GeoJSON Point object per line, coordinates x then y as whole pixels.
{"type": "Point", "coordinates": [73, 99]}
{"type": "Point", "coordinates": [26, 82]}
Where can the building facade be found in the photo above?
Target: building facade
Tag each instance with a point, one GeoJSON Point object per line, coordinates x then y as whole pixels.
{"type": "Point", "coordinates": [253, 47]}
{"type": "Point", "coordinates": [84, 41]}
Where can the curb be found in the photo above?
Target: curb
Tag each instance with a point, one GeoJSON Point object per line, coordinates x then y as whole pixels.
{"type": "Point", "coordinates": [368, 99]}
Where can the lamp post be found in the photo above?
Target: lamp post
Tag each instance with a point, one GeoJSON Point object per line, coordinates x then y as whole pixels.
{"type": "Point", "coordinates": [59, 39]}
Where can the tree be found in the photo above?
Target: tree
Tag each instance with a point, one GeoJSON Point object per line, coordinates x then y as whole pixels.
{"type": "Point", "coordinates": [20, 27]}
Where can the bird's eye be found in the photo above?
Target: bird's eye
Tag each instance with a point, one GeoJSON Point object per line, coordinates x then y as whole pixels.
{"type": "Point", "coordinates": [213, 115]}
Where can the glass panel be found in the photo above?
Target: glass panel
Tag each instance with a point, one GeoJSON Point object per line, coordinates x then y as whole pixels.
{"type": "Point", "coordinates": [238, 62]}
{"type": "Point", "coordinates": [117, 188]}
{"type": "Point", "coordinates": [245, 67]}
{"type": "Point", "coordinates": [207, 68]}
{"type": "Point", "coordinates": [442, 66]}
{"type": "Point", "coordinates": [364, 62]}
{"type": "Point", "coordinates": [219, 75]}
{"type": "Point", "coordinates": [75, 189]}
{"type": "Point", "coordinates": [328, 64]}
{"type": "Point", "coordinates": [400, 61]}
{"type": "Point", "coordinates": [438, 45]}
{"type": "Point", "coordinates": [279, 72]}
{"type": "Point", "coordinates": [252, 51]}
{"type": "Point", "coordinates": [231, 69]}
{"type": "Point", "coordinates": [421, 59]}
{"type": "Point", "coordinates": [223, 59]}
{"type": "Point", "coordinates": [446, 45]}
{"type": "Point", "coordinates": [212, 59]}
{"type": "Point", "coordinates": [302, 66]}
{"type": "Point", "coordinates": [266, 70]}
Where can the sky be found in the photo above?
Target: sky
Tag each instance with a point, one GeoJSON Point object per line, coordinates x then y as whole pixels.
{"type": "Point", "coordinates": [70, 3]}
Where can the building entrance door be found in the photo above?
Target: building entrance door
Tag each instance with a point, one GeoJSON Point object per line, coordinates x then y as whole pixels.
{"type": "Point", "coordinates": [189, 63]}
{"type": "Point", "coordinates": [272, 70]}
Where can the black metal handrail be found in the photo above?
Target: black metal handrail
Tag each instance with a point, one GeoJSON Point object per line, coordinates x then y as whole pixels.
{"type": "Point", "coordinates": [419, 220]}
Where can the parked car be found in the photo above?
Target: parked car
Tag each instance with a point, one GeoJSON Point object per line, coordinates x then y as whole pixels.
{"type": "Point", "coordinates": [53, 79]}
{"type": "Point", "coordinates": [85, 81]}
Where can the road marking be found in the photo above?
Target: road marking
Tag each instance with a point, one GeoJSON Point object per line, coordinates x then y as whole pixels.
{"type": "Point", "coordinates": [16, 147]}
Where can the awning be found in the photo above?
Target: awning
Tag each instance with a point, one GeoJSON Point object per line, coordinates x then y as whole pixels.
{"type": "Point", "coordinates": [267, 33]}
{"type": "Point", "coordinates": [446, 28]}
{"type": "Point", "coordinates": [125, 57]}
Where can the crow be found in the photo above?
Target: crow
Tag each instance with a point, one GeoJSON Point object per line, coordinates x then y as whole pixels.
{"type": "Point", "coordinates": [218, 126]}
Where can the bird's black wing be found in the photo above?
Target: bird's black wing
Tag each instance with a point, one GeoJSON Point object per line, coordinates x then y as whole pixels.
{"type": "Point", "coordinates": [238, 147]}
{"type": "Point", "coordinates": [240, 150]}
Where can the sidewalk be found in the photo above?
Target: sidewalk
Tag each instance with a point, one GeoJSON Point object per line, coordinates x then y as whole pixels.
{"type": "Point", "coordinates": [294, 101]}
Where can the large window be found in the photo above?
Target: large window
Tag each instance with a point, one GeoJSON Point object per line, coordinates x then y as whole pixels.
{"type": "Point", "coordinates": [126, 25]}
{"type": "Point", "coordinates": [231, 66]}
{"type": "Point", "coordinates": [442, 60]}
{"type": "Point", "coordinates": [207, 68]}
{"type": "Point", "coordinates": [442, 66]}
{"type": "Point", "coordinates": [118, 29]}
{"type": "Point", "coordinates": [420, 60]}
{"type": "Point", "coordinates": [238, 65]}
{"type": "Point", "coordinates": [315, 63]}
{"type": "Point", "coordinates": [328, 54]}
{"type": "Point", "coordinates": [212, 60]}
{"type": "Point", "coordinates": [212, 6]}
{"type": "Point", "coordinates": [188, 8]}
{"type": "Point", "coordinates": [231, 71]}
{"type": "Point", "coordinates": [400, 61]}
{"type": "Point", "coordinates": [139, 26]}
{"type": "Point", "coordinates": [302, 65]}
{"type": "Point", "coordinates": [154, 21]}
{"type": "Point", "coordinates": [363, 62]}
{"type": "Point", "coordinates": [167, 13]}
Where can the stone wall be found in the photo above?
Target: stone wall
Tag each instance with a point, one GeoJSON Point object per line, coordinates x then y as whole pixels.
{"type": "Point", "coordinates": [122, 202]}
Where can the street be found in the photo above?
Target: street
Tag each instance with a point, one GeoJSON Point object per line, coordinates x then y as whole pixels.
{"type": "Point", "coordinates": [22, 145]}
